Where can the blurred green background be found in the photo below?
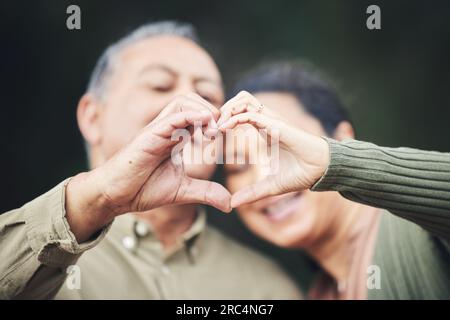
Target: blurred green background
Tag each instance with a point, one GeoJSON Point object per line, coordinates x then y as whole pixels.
{"type": "Point", "coordinates": [395, 81]}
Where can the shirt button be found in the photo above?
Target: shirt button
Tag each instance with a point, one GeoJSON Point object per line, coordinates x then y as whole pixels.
{"type": "Point", "coordinates": [165, 270]}
{"type": "Point", "coordinates": [141, 229]}
{"type": "Point", "coordinates": [194, 251]}
{"type": "Point", "coordinates": [129, 242]}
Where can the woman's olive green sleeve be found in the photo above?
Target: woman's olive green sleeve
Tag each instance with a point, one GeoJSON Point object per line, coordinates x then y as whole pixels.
{"type": "Point", "coordinates": [410, 183]}
{"type": "Point", "coordinates": [37, 247]}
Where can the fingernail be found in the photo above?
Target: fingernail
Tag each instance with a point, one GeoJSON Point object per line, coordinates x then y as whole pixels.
{"type": "Point", "coordinates": [228, 209]}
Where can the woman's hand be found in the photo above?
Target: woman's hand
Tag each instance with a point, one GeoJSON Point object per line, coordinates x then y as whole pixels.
{"type": "Point", "coordinates": [303, 157]}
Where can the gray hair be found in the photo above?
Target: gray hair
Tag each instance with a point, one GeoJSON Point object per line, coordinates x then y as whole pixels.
{"type": "Point", "coordinates": [103, 68]}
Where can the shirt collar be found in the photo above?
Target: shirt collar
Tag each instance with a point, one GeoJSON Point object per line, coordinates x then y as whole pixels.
{"type": "Point", "coordinates": [132, 230]}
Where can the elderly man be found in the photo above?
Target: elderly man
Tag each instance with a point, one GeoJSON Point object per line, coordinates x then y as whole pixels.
{"type": "Point", "coordinates": [163, 248]}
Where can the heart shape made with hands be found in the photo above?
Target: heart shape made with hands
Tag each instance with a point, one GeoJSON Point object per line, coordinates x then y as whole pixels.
{"type": "Point", "coordinates": [302, 157]}
{"type": "Point", "coordinates": [142, 176]}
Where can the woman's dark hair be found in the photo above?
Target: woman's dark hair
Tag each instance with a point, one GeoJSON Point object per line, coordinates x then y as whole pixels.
{"type": "Point", "coordinates": [315, 94]}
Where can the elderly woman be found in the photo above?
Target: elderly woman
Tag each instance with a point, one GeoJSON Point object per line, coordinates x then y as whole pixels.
{"type": "Point", "coordinates": [382, 235]}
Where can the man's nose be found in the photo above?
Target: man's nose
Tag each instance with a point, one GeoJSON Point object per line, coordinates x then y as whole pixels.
{"type": "Point", "coordinates": [184, 87]}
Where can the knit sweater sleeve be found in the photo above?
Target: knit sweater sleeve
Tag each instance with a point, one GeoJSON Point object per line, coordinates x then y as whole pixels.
{"type": "Point", "coordinates": [410, 183]}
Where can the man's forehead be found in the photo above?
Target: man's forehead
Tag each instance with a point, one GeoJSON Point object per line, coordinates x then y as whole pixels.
{"type": "Point", "coordinates": [174, 53]}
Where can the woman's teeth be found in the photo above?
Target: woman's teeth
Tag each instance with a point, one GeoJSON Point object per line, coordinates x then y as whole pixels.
{"type": "Point", "coordinates": [283, 208]}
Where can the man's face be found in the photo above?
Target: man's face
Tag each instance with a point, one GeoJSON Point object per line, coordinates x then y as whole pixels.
{"type": "Point", "coordinates": [296, 219]}
{"type": "Point", "coordinates": [145, 77]}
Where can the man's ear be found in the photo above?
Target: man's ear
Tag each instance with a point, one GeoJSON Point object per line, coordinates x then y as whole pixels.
{"type": "Point", "coordinates": [88, 117]}
{"type": "Point", "coordinates": [343, 131]}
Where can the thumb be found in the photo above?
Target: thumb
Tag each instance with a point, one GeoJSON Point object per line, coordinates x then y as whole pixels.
{"type": "Point", "coordinates": [254, 192]}
{"type": "Point", "coordinates": [205, 192]}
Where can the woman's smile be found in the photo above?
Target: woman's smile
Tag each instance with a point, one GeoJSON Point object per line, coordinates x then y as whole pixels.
{"type": "Point", "coordinates": [281, 207]}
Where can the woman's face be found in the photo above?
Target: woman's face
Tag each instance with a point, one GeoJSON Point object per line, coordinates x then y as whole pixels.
{"type": "Point", "coordinates": [293, 220]}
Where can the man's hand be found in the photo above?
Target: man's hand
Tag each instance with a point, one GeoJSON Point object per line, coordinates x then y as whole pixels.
{"type": "Point", "coordinates": [303, 157]}
{"type": "Point", "coordinates": [142, 175]}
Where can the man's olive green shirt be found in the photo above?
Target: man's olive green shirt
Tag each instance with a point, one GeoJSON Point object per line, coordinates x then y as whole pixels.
{"type": "Point", "coordinates": [126, 261]}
